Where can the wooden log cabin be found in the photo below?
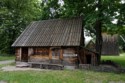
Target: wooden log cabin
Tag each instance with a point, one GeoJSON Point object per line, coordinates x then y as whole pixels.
{"type": "Point", "coordinates": [55, 41]}
{"type": "Point", "coordinates": [110, 45]}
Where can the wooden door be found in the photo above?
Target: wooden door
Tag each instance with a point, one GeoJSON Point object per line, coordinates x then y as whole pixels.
{"type": "Point", "coordinates": [24, 56]}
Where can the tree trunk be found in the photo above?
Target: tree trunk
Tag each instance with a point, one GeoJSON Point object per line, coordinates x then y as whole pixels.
{"type": "Point", "coordinates": [98, 39]}
{"type": "Point", "coordinates": [98, 28]}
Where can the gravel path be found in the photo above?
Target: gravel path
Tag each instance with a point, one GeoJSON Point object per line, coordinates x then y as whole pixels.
{"type": "Point", "coordinates": [7, 61]}
{"type": "Point", "coordinates": [14, 68]}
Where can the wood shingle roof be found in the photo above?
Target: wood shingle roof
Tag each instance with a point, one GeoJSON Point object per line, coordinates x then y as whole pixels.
{"type": "Point", "coordinates": [55, 32]}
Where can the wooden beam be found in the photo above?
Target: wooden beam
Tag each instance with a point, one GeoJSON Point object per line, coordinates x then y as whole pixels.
{"type": "Point", "coordinates": [20, 53]}
{"type": "Point", "coordinates": [50, 53]}
{"type": "Point", "coordinates": [84, 56]}
{"type": "Point", "coordinates": [78, 54]}
{"type": "Point", "coordinates": [92, 59]}
{"type": "Point", "coordinates": [17, 54]}
{"type": "Point", "coordinates": [61, 54]}
{"type": "Point", "coordinates": [30, 52]}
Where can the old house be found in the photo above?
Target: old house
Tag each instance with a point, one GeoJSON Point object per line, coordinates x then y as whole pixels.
{"type": "Point", "coordinates": [90, 44]}
{"type": "Point", "coordinates": [110, 44]}
{"type": "Point", "coordinates": [55, 41]}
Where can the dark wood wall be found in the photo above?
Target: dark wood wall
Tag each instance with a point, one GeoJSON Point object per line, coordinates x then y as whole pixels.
{"type": "Point", "coordinates": [39, 55]}
{"type": "Point", "coordinates": [66, 56]}
{"type": "Point", "coordinates": [88, 57]}
{"type": "Point", "coordinates": [18, 54]}
{"type": "Point", "coordinates": [70, 56]}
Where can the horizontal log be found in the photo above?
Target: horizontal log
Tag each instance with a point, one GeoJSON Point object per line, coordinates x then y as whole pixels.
{"type": "Point", "coordinates": [46, 65]}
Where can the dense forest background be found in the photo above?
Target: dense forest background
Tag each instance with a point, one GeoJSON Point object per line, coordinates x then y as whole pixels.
{"type": "Point", "coordinates": [98, 16]}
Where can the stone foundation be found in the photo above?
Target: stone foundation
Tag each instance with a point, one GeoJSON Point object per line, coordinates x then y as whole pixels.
{"type": "Point", "coordinates": [46, 66]}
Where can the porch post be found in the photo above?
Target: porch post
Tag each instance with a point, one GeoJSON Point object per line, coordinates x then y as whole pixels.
{"type": "Point", "coordinates": [92, 59]}
{"type": "Point", "coordinates": [61, 54]}
{"type": "Point", "coordinates": [85, 56]}
{"type": "Point", "coordinates": [20, 53]}
{"type": "Point", "coordinates": [50, 54]}
{"type": "Point", "coordinates": [30, 52]}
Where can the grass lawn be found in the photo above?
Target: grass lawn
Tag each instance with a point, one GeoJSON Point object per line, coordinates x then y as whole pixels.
{"type": "Point", "coordinates": [63, 76]}
{"type": "Point", "coordinates": [118, 59]}
{"type": "Point", "coordinates": [6, 57]}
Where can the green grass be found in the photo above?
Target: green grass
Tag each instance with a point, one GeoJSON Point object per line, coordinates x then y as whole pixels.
{"type": "Point", "coordinates": [65, 76]}
{"type": "Point", "coordinates": [118, 59]}
{"type": "Point", "coordinates": [6, 57]}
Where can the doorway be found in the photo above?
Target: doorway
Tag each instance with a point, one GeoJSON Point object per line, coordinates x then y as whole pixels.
{"type": "Point", "coordinates": [24, 56]}
{"type": "Point", "coordinates": [88, 59]}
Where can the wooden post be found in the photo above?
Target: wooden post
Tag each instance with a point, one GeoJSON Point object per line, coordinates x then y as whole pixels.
{"type": "Point", "coordinates": [84, 56]}
{"type": "Point", "coordinates": [17, 54]}
{"type": "Point", "coordinates": [20, 53]}
{"type": "Point", "coordinates": [61, 54]}
{"type": "Point", "coordinates": [92, 58]}
{"type": "Point", "coordinates": [30, 52]}
{"type": "Point", "coordinates": [78, 54]}
{"type": "Point", "coordinates": [50, 54]}
{"type": "Point", "coordinates": [96, 61]}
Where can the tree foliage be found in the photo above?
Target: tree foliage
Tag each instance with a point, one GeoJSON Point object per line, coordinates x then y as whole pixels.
{"type": "Point", "coordinates": [50, 9]}
{"type": "Point", "coordinates": [97, 14]}
{"type": "Point", "coordinates": [14, 16]}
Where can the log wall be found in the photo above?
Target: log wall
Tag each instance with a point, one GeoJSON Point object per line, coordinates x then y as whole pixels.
{"type": "Point", "coordinates": [67, 56]}
{"type": "Point", "coordinates": [86, 55]}
{"type": "Point", "coordinates": [39, 55]}
{"type": "Point", "coordinates": [18, 54]}
{"type": "Point", "coordinates": [70, 57]}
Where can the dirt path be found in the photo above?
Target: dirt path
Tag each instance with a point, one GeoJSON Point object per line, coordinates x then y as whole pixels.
{"type": "Point", "coordinates": [14, 68]}
{"type": "Point", "coordinates": [7, 61]}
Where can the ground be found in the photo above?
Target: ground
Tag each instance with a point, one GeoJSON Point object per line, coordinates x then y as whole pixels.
{"type": "Point", "coordinates": [65, 76]}
{"type": "Point", "coordinates": [61, 76]}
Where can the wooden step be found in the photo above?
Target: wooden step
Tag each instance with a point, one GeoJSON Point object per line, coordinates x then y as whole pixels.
{"type": "Point", "coordinates": [22, 64]}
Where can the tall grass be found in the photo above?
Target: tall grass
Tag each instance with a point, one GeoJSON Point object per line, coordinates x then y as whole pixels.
{"type": "Point", "coordinates": [6, 57]}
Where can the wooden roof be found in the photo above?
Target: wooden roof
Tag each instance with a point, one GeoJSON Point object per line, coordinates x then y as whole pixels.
{"type": "Point", "coordinates": [54, 32]}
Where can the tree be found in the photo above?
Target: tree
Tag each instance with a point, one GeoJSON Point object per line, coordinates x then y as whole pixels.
{"type": "Point", "coordinates": [14, 16]}
{"type": "Point", "coordinates": [98, 16]}
{"type": "Point", "coordinates": [50, 9]}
